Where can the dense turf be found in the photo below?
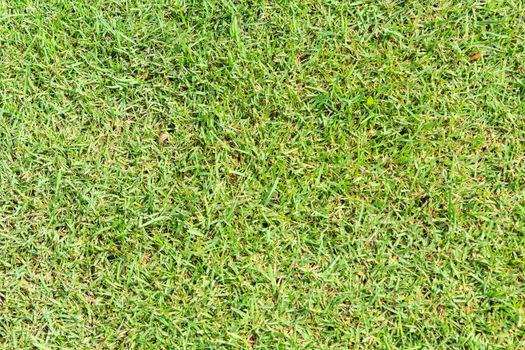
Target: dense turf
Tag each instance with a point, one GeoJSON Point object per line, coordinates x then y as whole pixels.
{"type": "Point", "coordinates": [337, 174]}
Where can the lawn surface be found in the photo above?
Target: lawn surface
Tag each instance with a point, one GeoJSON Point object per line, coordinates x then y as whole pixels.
{"type": "Point", "coordinates": [336, 174]}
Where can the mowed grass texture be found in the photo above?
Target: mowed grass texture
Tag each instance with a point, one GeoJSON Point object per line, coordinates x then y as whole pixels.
{"type": "Point", "coordinates": [337, 174]}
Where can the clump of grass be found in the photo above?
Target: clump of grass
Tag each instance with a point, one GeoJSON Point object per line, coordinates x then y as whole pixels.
{"type": "Point", "coordinates": [337, 174]}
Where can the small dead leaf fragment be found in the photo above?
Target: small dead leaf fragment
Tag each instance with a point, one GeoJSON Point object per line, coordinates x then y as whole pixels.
{"type": "Point", "coordinates": [146, 259]}
{"type": "Point", "coordinates": [252, 340]}
{"type": "Point", "coordinates": [475, 57]}
{"type": "Point", "coordinates": [90, 299]}
{"type": "Point", "coordinates": [163, 137]}
{"type": "Point", "coordinates": [440, 310]}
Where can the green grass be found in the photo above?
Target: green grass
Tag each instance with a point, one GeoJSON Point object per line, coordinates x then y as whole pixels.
{"type": "Point", "coordinates": [338, 174]}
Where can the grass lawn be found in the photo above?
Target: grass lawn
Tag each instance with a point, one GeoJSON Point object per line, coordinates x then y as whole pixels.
{"type": "Point", "coordinates": [221, 174]}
